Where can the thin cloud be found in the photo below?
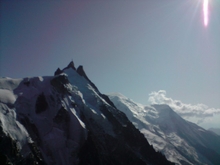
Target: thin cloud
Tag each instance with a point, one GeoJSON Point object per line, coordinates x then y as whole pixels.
{"type": "Point", "coordinates": [198, 111]}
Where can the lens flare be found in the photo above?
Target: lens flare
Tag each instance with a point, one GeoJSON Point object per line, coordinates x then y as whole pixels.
{"type": "Point", "coordinates": [206, 12]}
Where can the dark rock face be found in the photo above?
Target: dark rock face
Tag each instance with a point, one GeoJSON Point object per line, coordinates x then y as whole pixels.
{"type": "Point", "coordinates": [60, 82]}
{"type": "Point", "coordinates": [58, 71]}
{"type": "Point", "coordinates": [41, 104]}
{"type": "Point", "coordinates": [71, 65]}
{"type": "Point", "coordinates": [10, 154]}
{"type": "Point", "coordinates": [106, 98]}
{"type": "Point", "coordinates": [31, 127]}
{"type": "Point", "coordinates": [62, 116]}
{"type": "Point", "coordinates": [109, 151]}
{"type": "Point", "coordinates": [27, 82]}
{"type": "Point", "coordinates": [81, 72]}
{"type": "Point", "coordinates": [9, 148]}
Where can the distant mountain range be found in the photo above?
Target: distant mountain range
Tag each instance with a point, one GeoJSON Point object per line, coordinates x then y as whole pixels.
{"type": "Point", "coordinates": [179, 140]}
{"type": "Point", "coordinates": [64, 120]}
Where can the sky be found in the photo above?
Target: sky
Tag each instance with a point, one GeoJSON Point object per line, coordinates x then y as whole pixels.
{"type": "Point", "coordinates": [138, 48]}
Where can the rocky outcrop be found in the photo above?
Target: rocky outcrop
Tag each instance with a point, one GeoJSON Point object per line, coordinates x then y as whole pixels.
{"type": "Point", "coordinates": [58, 71]}
{"type": "Point", "coordinates": [71, 65]}
{"type": "Point", "coordinates": [60, 83]}
{"type": "Point", "coordinates": [11, 155]}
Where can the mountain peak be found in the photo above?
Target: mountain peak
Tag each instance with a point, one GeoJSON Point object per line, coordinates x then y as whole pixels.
{"type": "Point", "coordinates": [58, 71]}
{"type": "Point", "coordinates": [81, 72]}
{"type": "Point", "coordinates": [71, 65]}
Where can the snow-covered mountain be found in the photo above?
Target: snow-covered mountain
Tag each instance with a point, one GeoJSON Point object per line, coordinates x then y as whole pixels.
{"type": "Point", "coordinates": [179, 140]}
{"type": "Point", "coordinates": [215, 130]}
{"type": "Point", "coordinates": [64, 119]}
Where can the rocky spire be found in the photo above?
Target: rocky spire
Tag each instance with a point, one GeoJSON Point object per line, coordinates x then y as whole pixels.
{"type": "Point", "coordinates": [58, 71]}
{"type": "Point", "coordinates": [81, 72]}
{"type": "Point", "coordinates": [71, 65]}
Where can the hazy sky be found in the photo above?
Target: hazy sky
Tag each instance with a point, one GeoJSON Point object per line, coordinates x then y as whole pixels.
{"type": "Point", "coordinates": [130, 46]}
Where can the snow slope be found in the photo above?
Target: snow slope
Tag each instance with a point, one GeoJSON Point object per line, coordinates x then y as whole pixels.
{"type": "Point", "coordinates": [34, 103]}
{"type": "Point", "coordinates": [181, 141]}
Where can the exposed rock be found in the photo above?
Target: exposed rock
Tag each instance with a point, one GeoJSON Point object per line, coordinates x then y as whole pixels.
{"type": "Point", "coordinates": [62, 116]}
{"type": "Point", "coordinates": [60, 83]}
{"type": "Point", "coordinates": [10, 154]}
{"type": "Point", "coordinates": [41, 104]}
{"type": "Point", "coordinates": [106, 98]}
{"type": "Point", "coordinates": [81, 72]}
{"type": "Point", "coordinates": [58, 71]}
{"type": "Point", "coordinates": [26, 82]}
{"type": "Point", "coordinates": [71, 65]}
{"type": "Point", "coordinates": [31, 127]}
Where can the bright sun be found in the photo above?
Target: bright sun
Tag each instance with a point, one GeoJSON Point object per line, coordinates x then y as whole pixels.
{"type": "Point", "coordinates": [206, 12]}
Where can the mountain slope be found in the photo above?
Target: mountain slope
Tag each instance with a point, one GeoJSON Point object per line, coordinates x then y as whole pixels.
{"type": "Point", "coordinates": [215, 130]}
{"type": "Point", "coordinates": [180, 141]}
{"type": "Point", "coordinates": [64, 119]}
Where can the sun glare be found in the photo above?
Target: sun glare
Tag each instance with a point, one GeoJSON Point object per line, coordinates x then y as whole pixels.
{"type": "Point", "coordinates": [206, 12]}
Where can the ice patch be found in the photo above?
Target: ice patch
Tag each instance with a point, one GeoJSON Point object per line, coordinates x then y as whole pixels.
{"type": "Point", "coordinates": [103, 116]}
{"type": "Point", "coordinates": [41, 79]}
{"type": "Point", "coordinates": [7, 96]}
{"type": "Point", "coordinates": [12, 127]}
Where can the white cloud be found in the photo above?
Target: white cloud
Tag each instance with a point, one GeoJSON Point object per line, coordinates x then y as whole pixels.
{"type": "Point", "coordinates": [199, 111]}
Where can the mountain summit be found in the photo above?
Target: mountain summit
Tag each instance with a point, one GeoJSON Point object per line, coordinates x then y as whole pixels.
{"type": "Point", "coordinates": [64, 119]}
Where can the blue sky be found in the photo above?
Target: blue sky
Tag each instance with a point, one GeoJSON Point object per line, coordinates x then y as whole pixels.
{"type": "Point", "coordinates": [131, 47]}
